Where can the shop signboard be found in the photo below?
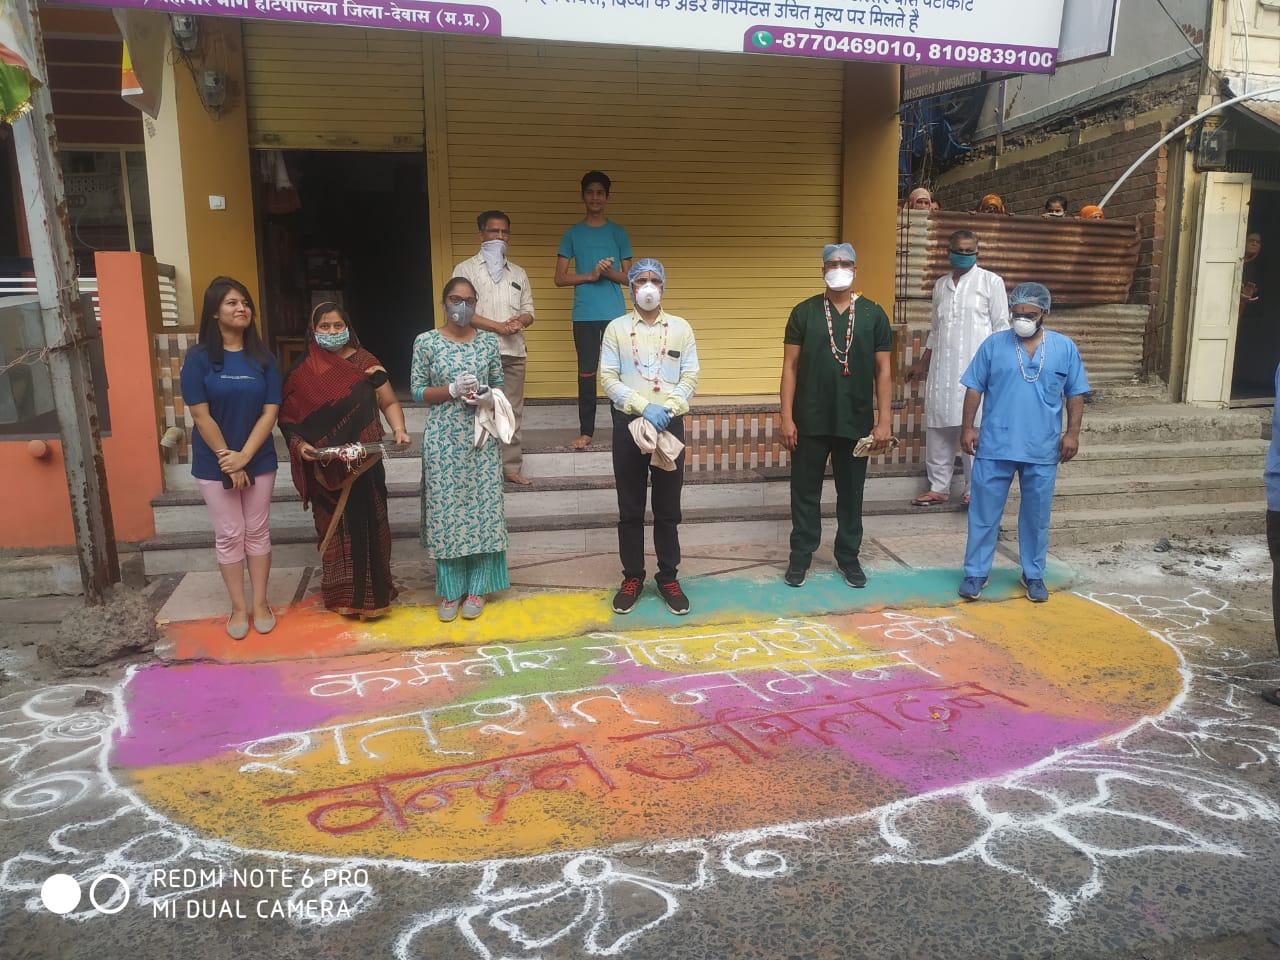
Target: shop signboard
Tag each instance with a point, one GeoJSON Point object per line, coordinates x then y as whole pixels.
{"type": "Point", "coordinates": [1088, 31]}
{"type": "Point", "coordinates": [1011, 35]}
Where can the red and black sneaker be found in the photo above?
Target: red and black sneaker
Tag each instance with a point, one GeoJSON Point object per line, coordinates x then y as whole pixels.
{"type": "Point", "coordinates": [625, 599]}
{"type": "Point", "coordinates": [675, 599]}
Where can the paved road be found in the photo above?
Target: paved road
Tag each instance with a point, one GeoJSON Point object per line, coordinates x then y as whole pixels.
{"type": "Point", "coordinates": [786, 773]}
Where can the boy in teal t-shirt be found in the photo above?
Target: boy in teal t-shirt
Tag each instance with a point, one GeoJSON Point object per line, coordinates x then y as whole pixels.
{"type": "Point", "coordinates": [601, 253]}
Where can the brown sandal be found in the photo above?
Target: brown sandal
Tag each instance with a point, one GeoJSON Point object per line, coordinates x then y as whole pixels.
{"type": "Point", "coordinates": [929, 499]}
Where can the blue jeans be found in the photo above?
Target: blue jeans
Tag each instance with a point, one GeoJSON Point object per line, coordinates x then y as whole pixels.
{"type": "Point", "coordinates": [987, 497]}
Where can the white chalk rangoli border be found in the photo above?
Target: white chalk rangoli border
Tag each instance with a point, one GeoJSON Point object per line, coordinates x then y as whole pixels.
{"type": "Point", "coordinates": [1186, 753]}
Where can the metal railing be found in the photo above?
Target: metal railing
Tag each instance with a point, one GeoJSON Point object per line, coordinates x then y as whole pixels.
{"type": "Point", "coordinates": [26, 287]}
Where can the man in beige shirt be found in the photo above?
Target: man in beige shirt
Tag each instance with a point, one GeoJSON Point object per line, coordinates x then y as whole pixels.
{"type": "Point", "coordinates": [504, 307]}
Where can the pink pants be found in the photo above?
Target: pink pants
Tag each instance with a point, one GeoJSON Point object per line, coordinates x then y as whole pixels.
{"type": "Point", "coordinates": [241, 518]}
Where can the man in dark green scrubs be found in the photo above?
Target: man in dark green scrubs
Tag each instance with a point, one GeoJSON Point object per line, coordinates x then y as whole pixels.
{"type": "Point", "coordinates": [835, 358]}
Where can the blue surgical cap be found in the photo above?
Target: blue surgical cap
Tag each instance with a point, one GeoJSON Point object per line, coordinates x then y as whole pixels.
{"type": "Point", "coordinates": [831, 249]}
{"type": "Point", "coordinates": [644, 266]}
{"type": "Point", "coordinates": [1036, 293]}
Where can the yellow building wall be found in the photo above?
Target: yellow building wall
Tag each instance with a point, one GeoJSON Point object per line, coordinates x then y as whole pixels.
{"type": "Point", "coordinates": [869, 205]}
{"type": "Point", "coordinates": [728, 168]}
{"type": "Point", "coordinates": [193, 154]}
{"type": "Point", "coordinates": [215, 162]}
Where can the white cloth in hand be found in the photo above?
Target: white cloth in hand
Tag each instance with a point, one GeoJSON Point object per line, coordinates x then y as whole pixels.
{"type": "Point", "coordinates": [664, 446]}
{"type": "Point", "coordinates": [496, 419]}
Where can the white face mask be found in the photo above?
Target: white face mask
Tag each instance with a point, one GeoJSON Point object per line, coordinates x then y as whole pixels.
{"type": "Point", "coordinates": [648, 296]}
{"type": "Point", "coordinates": [839, 279]}
{"type": "Point", "coordinates": [494, 253]}
{"type": "Point", "coordinates": [1025, 328]}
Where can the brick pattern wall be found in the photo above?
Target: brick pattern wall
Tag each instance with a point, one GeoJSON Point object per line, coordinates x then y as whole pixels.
{"type": "Point", "coordinates": [170, 349]}
{"type": "Point", "coordinates": [747, 439]}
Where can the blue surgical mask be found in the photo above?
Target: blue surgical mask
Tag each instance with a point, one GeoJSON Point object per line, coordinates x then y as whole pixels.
{"type": "Point", "coordinates": [962, 261]}
{"type": "Point", "coordinates": [333, 341]}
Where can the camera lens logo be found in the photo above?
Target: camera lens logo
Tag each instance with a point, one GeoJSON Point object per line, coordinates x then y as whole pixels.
{"type": "Point", "coordinates": [61, 893]}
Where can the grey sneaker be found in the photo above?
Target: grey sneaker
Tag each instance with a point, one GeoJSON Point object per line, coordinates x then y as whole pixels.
{"type": "Point", "coordinates": [472, 606]}
{"type": "Point", "coordinates": [448, 611]}
{"type": "Point", "coordinates": [794, 577]}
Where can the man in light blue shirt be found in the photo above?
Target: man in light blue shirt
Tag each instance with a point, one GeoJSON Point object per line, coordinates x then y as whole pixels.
{"type": "Point", "coordinates": [1020, 378]}
{"type": "Point", "coordinates": [1271, 477]}
{"type": "Point", "coordinates": [649, 369]}
{"type": "Point", "coordinates": [601, 254]}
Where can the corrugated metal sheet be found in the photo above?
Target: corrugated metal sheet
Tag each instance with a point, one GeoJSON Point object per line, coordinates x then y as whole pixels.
{"type": "Point", "coordinates": [1082, 262]}
{"type": "Point", "coordinates": [726, 168]}
{"type": "Point", "coordinates": [1109, 336]}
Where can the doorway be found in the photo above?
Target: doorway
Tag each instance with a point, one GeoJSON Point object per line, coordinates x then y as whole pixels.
{"type": "Point", "coordinates": [1258, 334]}
{"type": "Point", "coordinates": [350, 227]}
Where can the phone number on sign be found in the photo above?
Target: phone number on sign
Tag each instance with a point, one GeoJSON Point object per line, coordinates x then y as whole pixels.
{"type": "Point", "coordinates": [899, 51]}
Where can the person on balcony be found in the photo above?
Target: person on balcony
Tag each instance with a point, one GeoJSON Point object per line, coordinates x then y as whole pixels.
{"type": "Point", "coordinates": [649, 369]}
{"type": "Point", "coordinates": [231, 385]}
{"type": "Point", "coordinates": [1055, 207]}
{"type": "Point", "coordinates": [337, 393]}
{"type": "Point", "coordinates": [991, 204]}
{"type": "Point", "coordinates": [600, 251]}
{"type": "Point", "coordinates": [1020, 377]}
{"type": "Point", "coordinates": [455, 369]}
{"type": "Point", "coordinates": [919, 199]}
{"type": "Point", "coordinates": [969, 304]}
{"type": "Point", "coordinates": [835, 358]}
{"type": "Point", "coordinates": [505, 309]}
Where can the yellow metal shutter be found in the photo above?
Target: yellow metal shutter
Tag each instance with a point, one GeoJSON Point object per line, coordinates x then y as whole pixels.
{"type": "Point", "coordinates": [725, 167]}
{"type": "Point", "coordinates": [333, 88]}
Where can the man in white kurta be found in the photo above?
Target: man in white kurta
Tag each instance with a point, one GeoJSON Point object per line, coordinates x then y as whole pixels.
{"type": "Point", "coordinates": [969, 304]}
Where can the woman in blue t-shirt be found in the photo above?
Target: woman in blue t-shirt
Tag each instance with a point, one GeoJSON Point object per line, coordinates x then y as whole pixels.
{"type": "Point", "coordinates": [231, 385]}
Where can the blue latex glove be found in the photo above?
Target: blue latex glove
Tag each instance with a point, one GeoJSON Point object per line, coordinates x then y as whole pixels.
{"type": "Point", "coordinates": [658, 415]}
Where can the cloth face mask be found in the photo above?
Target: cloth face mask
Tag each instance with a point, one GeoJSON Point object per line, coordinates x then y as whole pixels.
{"type": "Point", "coordinates": [963, 261]}
{"type": "Point", "coordinates": [494, 253]}
{"type": "Point", "coordinates": [333, 341]}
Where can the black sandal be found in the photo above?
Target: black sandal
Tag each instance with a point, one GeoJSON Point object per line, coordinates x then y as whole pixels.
{"type": "Point", "coordinates": [1271, 696]}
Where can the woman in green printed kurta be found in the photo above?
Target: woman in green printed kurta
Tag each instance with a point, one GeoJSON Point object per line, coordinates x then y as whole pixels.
{"type": "Point", "coordinates": [464, 522]}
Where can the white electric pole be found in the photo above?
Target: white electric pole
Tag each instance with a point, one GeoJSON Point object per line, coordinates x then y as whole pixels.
{"type": "Point", "coordinates": [67, 335]}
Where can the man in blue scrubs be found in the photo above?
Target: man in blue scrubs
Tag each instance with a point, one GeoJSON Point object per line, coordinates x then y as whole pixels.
{"type": "Point", "coordinates": [1020, 377]}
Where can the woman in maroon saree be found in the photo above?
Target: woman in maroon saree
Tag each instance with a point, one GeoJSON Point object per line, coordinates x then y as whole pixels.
{"type": "Point", "coordinates": [333, 396]}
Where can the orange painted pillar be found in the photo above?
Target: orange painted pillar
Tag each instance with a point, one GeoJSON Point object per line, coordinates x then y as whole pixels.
{"type": "Point", "coordinates": [129, 303]}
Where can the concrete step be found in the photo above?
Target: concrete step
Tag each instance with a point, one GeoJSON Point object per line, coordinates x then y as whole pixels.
{"type": "Point", "coordinates": [183, 512]}
{"type": "Point", "coordinates": [1206, 488]}
{"type": "Point", "coordinates": [1110, 524]}
{"type": "Point", "coordinates": [1146, 460]}
{"type": "Point", "coordinates": [1126, 421]}
{"type": "Point", "coordinates": [568, 533]}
